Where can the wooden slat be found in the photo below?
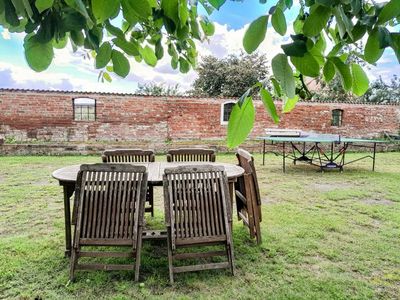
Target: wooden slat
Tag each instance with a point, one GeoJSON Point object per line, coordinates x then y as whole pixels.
{"type": "Point", "coordinates": [212, 266]}
{"type": "Point", "coordinates": [104, 267]}
{"type": "Point", "coordinates": [199, 254]}
{"type": "Point", "coordinates": [104, 254]}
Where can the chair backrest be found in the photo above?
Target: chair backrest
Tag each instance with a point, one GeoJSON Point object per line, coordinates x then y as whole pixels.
{"type": "Point", "coordinates": [191, 154]}
{"type": "Point", "coordinates": [246, 161]}
{"type": "Point", "coordinates": [128, 155]}
{"type": "Point", "coordinates": [110, 199]}
{"type": "Point", "coordinates": [197, 205]}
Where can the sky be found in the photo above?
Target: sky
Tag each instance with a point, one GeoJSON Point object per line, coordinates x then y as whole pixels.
{"type": "Point", "coordinates": [72, 72]}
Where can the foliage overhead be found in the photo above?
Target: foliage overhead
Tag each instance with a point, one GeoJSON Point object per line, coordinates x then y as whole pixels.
{"type": "Point", "coordinates": [149, 26]}
{"type": "Point", "coordinates": [230, 76]}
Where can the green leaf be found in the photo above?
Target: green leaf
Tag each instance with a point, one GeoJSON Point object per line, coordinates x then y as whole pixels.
{"type": "Point", "coordinates": [38, 55]}
{"type": "Point", "coordinates": [241, 122]}
{"type": "Point", "coordinates": [329, 71]}
{"type": "Point", "coordinates": [372, 51]}
{"type": "Point", "coordinates": [10, 14]}
{"type": "Point", "coordinates": [360, 80]}
{"type": "Point", "coordinates": [306, 65]}
{"type": "Point", "coordinates": [207, 26]}
{"type": "Point", "coordinates": [297, 48]}
{"type": "Point", "coordinates": [61, 43]}
{"type": "Point", "coordinates": [389, 11]}
{"type": "Point", "coordinates": [344, 23]}
{"type": "Point", "coordinates": [77, 37]}
{"type": "Point", "coordinates": [170, 8]}
{"type": "Point", "coordinates": [114, 30]}
{"type": "Point", "coordinates": [129, 48]}
{"type": "Point", "coordinates": [316, 21]}
{"type": "Point", "coordinates": [42, 5]}
{"type": "Point", "coordinates": [183, 12]}
{"type": "Point", "coordinates": [395, 44]}
{"type": "Point", "coordinates": [216, 3]}
{"type": "Point", "coordinates": [290, 103]}
{"type": "Point", "coordinates": [107, 76]}
{"type": "Point", "coordinates": [103, 55]}
{"type": "Point", "coordinates": [149, 56]}
{"type": "Point", "coordinates": [278, 21]}
{"type": "Point", "coordinates": [284, 74]}
{"type": "Point", "coordinates": [277, 87]}
{"type": "Point", "coordinates": [184, 66]}
{"type": "Point", "coordinates": [255, 34]}
{"type": "Point", "coordinates": [269, 105]}
{"type": "Point", "coordinates": [104, 9]}
{"type": "Point", "coordinates": [134, 10]}
{"type": "Point", "coordinates": [344, 73]}
{"type": "Point", "coordinates": [120, 63]}
{"type": "Point", "coordinates": [80, 7]}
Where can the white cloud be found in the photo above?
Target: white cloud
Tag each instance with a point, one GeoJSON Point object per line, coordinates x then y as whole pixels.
{"type": "Point", "coordinates": [6, 34]}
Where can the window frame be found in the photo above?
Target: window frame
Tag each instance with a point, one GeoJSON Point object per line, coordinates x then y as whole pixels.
{"type": "Point", "coordinates": [340, 116]}
{"type": "Point", "coordinates": [222, 121]}
{"type": "Point", "coordinates": [88, 114]}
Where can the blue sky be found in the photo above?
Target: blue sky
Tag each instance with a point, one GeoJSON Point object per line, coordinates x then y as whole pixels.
{"type": "Point", "coordinates": [70, 71]}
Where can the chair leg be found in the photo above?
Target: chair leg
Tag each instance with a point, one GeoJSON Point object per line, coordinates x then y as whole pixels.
{"type": "Point", "coordinates": [138, 254]}
{"type": "Point", "coordinates": [170, 265]}
{"type": "Point", "coordinates": [229, 250]}
{"type": "Point", "coordinates": [151, 199]}
{"type": "Point", "coordinates": [73, 260]}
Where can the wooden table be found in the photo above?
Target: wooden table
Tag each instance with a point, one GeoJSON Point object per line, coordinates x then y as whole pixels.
{"type": "Point", "coordinates": [67, 179]}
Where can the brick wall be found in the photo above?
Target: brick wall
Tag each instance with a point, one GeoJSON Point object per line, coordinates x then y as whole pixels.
{"type": "Point", "coordinates": [48, 116]}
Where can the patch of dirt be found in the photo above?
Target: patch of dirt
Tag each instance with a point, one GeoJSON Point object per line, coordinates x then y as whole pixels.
{"type": "Point", "coordinates": [42, 182]}
{"type": "Point", "coordinates": [377, 202]}
{"type": "Point", "coordinates": [326, 187]}
{"type": "Point", "coordinates": [268, 201]}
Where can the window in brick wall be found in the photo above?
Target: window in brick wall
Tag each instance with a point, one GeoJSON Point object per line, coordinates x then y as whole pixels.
{"type": "Point", "coordinates": [337, 117]}
{"type": "Point", "coordinates": [84, 109]}
{"type": "Point", "coordinates": [226, 110]}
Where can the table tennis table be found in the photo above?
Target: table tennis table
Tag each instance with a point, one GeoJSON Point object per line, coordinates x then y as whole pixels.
{"type": "Point", "coordinates": [326, 151]}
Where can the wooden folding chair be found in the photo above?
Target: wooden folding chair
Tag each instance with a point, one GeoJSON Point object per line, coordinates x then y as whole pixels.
{"type": "Point", "coordinates": [133, 155]}
{"type": "Point", "coordinates": [110, 211]}
{"type": "Point", "coordinates": [248, 200]}
{"type": "Point", "coordinates": [197, 214]}
{"type": "Point", "coordinates": [191, 154]}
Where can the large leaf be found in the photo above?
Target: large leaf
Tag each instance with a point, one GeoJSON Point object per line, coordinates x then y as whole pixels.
{"type": "Point", "coordinates": [297, 48]}
{"type": "Point", "coordinates": [103, 55]}
{"type": "Point", "coordinates": [395, 44]}
{"type": "Point", "coordinates": [269, 105]}
{"type": "Point", "coordinates": [360, 80]}
{"type": "Point", "coordinates": [80, 7]}
{"type": "Point", "coordinates": [289, 104]}
{"type": "Point", "coordinates": [135, 10]}
{"type": "Point", "coordinates": [216, 3]}
{"type": "Point", "coordinates": [284, 74]}
{"type": "Point", "coordinates": [278, 21]}
{"type": "Point", "coordinates": [372, 51]}
{"type": "Point", "coordinates": [207, 26]}
{"type": "Point", "coordinates": [120, 63]}
{"type": "Point", "coordinates": [255, 34]}
{"type": "Point", "coordinates": [241, 122]}
{"type": "Point", "coordinates": [389, 11]}
{"type": "Point", "coordinates": [344, 73]}
{"type": "Point", "coordinates": [104, 9]}
{"type": "Point", "coordinates": [38, 55]}
{"type": "Point", "coordinates": [306, 65]}
{"type": "Point", "coordinates": [42, 5]}
{"type": "Point", "coordinates": [329, 71]}
{"type": "Point", "coordinates": [316, 21]}
{"type": "Point", "coordinates": [170, 8]}
{"type": "Point", "coordinates": [129, 48]}
{"type": "Point", "coordinates": [149, 56]}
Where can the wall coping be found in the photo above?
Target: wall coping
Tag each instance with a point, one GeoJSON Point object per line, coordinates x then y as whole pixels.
{"type": "Point", "coordinates": [12, 90]}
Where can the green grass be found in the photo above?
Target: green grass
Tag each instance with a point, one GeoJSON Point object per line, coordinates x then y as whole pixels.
{"type": "Point", "coordinates": [326, 235]}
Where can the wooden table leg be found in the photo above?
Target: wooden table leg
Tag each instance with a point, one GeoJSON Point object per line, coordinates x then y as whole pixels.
{"type": "Point", "coordinates": [68, 191]}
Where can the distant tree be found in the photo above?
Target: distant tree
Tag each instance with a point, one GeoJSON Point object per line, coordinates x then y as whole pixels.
{"type": "Point", "coordinates": [230, 76]}
{"type": "Point", "coordinates": [382, 92]}
{"type": "Point", "coordinates": [158, 89]}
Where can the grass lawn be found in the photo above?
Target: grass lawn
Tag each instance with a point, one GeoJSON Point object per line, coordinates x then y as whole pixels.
{"type": "Point", "coordinates": [325, 236]}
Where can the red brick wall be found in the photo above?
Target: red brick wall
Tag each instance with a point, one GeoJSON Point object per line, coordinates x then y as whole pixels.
{"type": "Point", "coordinates": [28, 115]}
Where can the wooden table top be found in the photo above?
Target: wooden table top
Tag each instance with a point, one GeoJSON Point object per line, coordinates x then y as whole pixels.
{"type": "Point", "coordinates": [155, 170]}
